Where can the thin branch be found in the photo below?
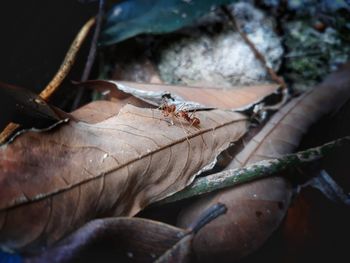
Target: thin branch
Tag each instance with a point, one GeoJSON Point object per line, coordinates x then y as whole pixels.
{"type": "Point", "coordinates": [93, 48]}
{"type": "Point", "coordinates": [256, 52]}
{"type": "Point", "coordinates": [92, 53]}
{"type": "Point", "coordinates": [68, 60]}
{"type": "Point", "coordinates": [8, 131]}
{"type": "Point", "coordinates": [232, 177]}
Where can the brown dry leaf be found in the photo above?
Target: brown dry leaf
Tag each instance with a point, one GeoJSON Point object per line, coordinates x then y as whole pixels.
{"type": "Point", "coordinates": [213, 97]}
{"type": "Point", "coordinates": [315, 228]}
{"type": "Point", "coordinates": [254, 212]}
{"type": "Point", "coordinates": [121, 240]}
{"type": "Point", "coordinates": [282, 134]}
{"type": "Point", "coordinates": [97, 111]}
{"type": "Point", "coordinates": [24, 107]}
{"type": "Point", "coordinates": [180, 252]}
{"type": "Point", "coordinates": [54, 182]}
{"type": "Point", "coordinates": [100, 110]}
{"type": "Point", "coordinates": [256, 209]}
{"type": "Point", "coordinates": [210, 97]}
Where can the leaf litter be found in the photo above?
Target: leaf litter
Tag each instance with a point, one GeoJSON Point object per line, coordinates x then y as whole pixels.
{"type": "Point", "coordinates": [116, 167]}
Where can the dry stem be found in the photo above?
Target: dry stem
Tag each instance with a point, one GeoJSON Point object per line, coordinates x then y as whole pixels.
{"type": "Point", "coordinates": [256, 52]}
{"type": "Point", "coordinates": [232, 177]}
{"type": "Point", "coordinates": [68, 60]}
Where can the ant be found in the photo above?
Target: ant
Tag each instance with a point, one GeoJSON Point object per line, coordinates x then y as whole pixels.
{"type": "Point", "coordinates": [169, 110]}
{"type": "Point", "coordinates": [194, 121]}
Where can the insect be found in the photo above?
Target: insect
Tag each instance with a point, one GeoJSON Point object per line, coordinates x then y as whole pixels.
{"type": "Point", "coordinates": [169, 110]}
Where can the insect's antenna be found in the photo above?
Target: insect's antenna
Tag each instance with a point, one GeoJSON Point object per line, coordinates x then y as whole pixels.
{"type": "Point", "coordinates": [156, 118]}
{"type": "Point", "coordinates": [192, 114]}
{"type": "Point", "coordinates": [205, 144]}
{"type": "Point", "coordinates": [198, 129]}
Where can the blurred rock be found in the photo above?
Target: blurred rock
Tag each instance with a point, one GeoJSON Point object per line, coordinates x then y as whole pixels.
{"type": "Point", "coordinates": [223, 59]}
{"type": "Point", "coordinates": [313, 53]}
{"type": "Point", "coordinates": [141, 70]}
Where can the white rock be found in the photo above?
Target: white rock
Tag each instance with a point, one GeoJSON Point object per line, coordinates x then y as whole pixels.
{"type": "Point", "coordinates": [224, 59]}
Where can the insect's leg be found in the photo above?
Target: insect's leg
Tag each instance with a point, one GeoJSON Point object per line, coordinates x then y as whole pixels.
{"type": "Point", "coordinates": [181, 107]}
{"type": "Point", "coordinates": [172, 121]}
{"type": "Point", "coordinates": [191, 118]}
{"type": "Point", "coordinates": [205, 144]}
{"type": "Point", "coordinates": [169, 120]}
{"type": "Point", "coordinates": [193, 113]}
{"type": "Point", "coordinates": [198, 128]}
{"type": "Point", "coordinates": [186, 132]}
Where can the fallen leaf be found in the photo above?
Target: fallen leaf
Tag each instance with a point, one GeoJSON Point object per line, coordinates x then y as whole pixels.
{"type": "Point", "coordinates": [315, 229]}
{"type": "Point", "coordinates": [213, 97]}
{"type": "Point", "coordinates": [181, 252]}
{"type": "Point", "coordinates": [209, 97]}
{"type": "Point", "coordinates": [256, 209]}
{"type": "Point", "coordinates": [253, 214]}
{"type": "Point", "coordinates": [55, 182]}
{"type": "Point", "coordinates": [97, 111]}
{"type": "Point", "coordinates": [283, 133]}
{"type": "Point", "coordinates": [127, 240]}
{"type": "Point", "coordinates": [120, 240]}
{"type": "Point", "coordinates": [22, 106]}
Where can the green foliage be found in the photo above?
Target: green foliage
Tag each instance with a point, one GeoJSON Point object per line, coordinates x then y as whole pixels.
{"type": "Point", "coordinates": [313, 54]}
{"type": "Point", "coordinates": [133, 17]}
{"type": "Point", "coordinates": [312, 6]}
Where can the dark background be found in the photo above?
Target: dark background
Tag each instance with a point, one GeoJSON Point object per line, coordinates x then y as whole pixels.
{"type": "Point", "coordinates": [35, 36]}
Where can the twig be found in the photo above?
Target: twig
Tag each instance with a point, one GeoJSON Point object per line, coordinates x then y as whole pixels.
{"type": "Point", "coordinates": [255, 171]}
{"type": "Point", "coordinates": [68, 60]}
{"type": "Point", "coordinates": [58, 78]}
{"type": "Point", "coordinates": [8, 131]}
{"type": "Point", "coordinates": [92, 53]}
{"type": "Point", "coordinates": [256, 52]}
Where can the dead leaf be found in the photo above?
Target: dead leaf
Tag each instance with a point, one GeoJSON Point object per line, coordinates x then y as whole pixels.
{"type": "Point", "coordinates": [253, 213]}
{"type": "Point", "coordinates": [213, 97]}
{"type": "Point", "coordinates": [315, 229]}
{"type": "Point", "coordinates": [256, 209]}
{"type": "Point", "coordinates": [124, 239]}
{"type": "Point", "coordinates": [282, 134]}
{"type": "Point", "coordinates": [55, 182]}
{"type": "Point", "coordinates": [97, 111]}
{"type": "Point", "coordinates": [22, 106]}
{"type": "Point", "coordinates": [209, 97]}
{"type": "Point", "coordinates": [121, 240]}
{"type": "Point", "coordinates": [181, 252]}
